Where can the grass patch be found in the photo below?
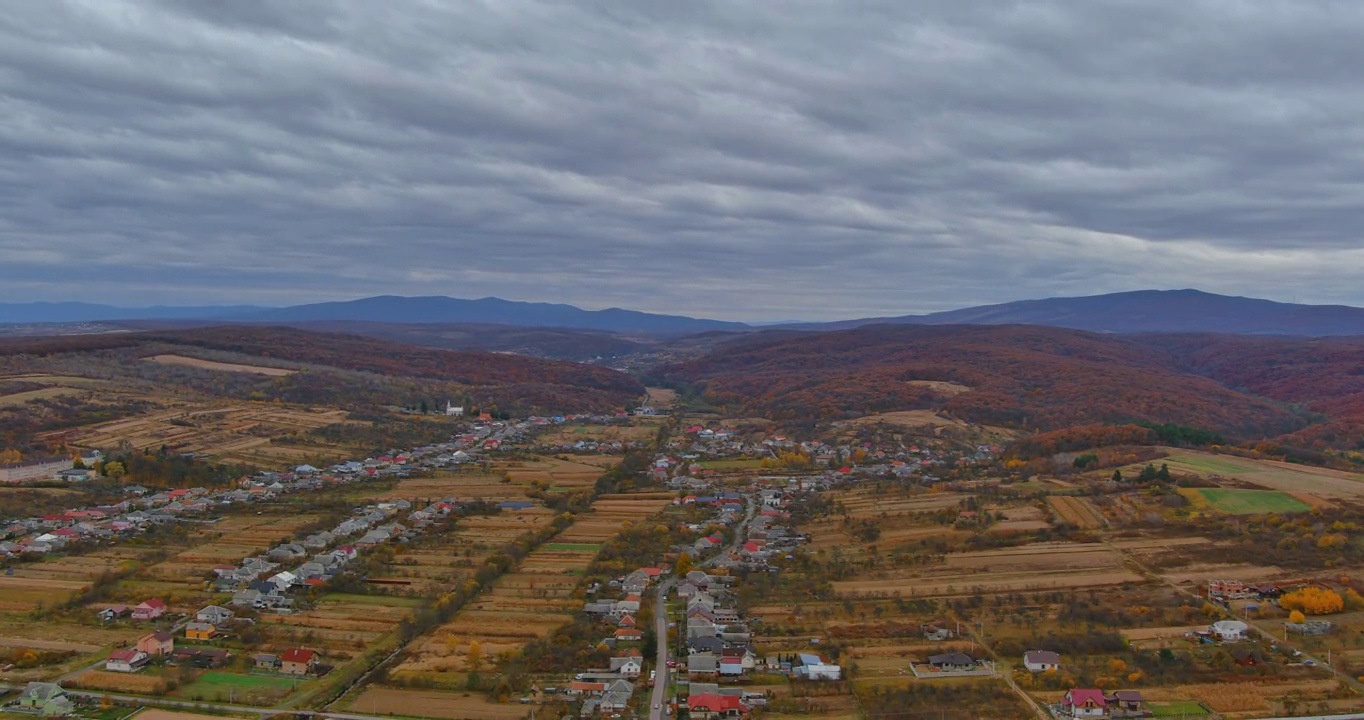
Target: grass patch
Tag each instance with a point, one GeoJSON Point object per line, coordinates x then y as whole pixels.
{"type": "Point", "coordinates": [730, 464]}
{"type": "Point", "coordinates": [1182, 708]}
{"type": "Point", "coordinates": [227, 679]}
{"type": "Point", "coordinates": [572, 547]}
{"type": "Point", "coordinates": [1252, 502]}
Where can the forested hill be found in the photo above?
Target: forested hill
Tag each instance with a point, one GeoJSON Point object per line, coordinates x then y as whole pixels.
{"type": "Point", "coordinates": [513, 381]}
{"type": "Point", "coordinates": [1034, 378]}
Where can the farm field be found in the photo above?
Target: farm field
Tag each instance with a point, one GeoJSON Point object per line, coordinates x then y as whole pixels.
{"type": "Point", "coordinates": [237, 687]}
{"type": "Point", "coordinates": [381, 700]}
{"type": "Point", "coordinates": [1272, 474]}
{"type": "Point", "coordinates": [535, 599]}
{"type": "Point", "coordinates": [662, 398]}
{"type": "Point", "coordinates": [1235, 501]}
{"type": "Point", "coordinates": [220, 366]}
{"type": "Point", "coordinates": [159, 714]}
{"type": "Point", "coordinates": [20, 398]}
{"type": "Point", "coordinates": [231, 432]}
{"type": "Point", "coordinates": [553, 471]}
{"type": "Point", "coordinates": [1079, 512]}
{"type": "Point", "coordinates": [1039, 566]}
{"type": "Point", "coordinates": [639, 431]}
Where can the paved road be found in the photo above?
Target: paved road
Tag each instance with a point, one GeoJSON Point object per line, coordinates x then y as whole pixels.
{"type": "Point", "coordinates": [660, 693]}
{"type": "Point", "coordinates": [661, 671]}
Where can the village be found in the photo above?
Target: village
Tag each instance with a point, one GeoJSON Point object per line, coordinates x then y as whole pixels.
{"type": "Point", "coordinates": [799, 577]}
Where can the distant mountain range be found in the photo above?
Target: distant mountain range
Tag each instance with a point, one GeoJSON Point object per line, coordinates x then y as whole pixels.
{"type": "Point", "coordinates": [1141, 311]}
{"type": "Point", "coordinates": [76, 312]}
{"type": "Point", "coordinates": [1146, 311]}
{"type": "Point", "coordinates": [384, 309]}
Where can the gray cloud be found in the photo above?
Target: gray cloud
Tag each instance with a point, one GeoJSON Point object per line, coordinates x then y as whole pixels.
{"type": "Point", "coordinates": [753, 161]}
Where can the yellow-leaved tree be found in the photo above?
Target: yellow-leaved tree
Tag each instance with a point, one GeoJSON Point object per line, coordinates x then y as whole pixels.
{"type": "Point", "coordinates": [1313, 601]}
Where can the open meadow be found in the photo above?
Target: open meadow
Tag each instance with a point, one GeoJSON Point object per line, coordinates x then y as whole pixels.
{"type": "Point", "coordinates": [1271, 474]}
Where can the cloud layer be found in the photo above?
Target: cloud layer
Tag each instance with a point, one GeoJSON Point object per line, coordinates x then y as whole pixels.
{"type": "Point", "coordinates": [810, 160]}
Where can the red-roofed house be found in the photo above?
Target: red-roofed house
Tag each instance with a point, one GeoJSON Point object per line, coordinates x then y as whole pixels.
{"type": "Point", "coordinates": [628, 634]}
{"type": "Point", "coordinates": [714, 705]}
{"type": "Point", "coordinates": [149, 610]}
{"type": "Point", "coordinates": [298, 661]}
{"type": "Point", "coordinates": [126, 660]}
{"type": "Point", "coordinates": [1084, 704]}
{"type": "Point", "coordinates": [578, 687]}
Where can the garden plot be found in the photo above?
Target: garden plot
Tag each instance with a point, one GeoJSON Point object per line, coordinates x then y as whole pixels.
{"type": "Point", "coordinates": [379, 700]}
{"type": "Point", "coordinates": [1041, 566]}
{"type": "Point", "coordinates": [1079, 512]}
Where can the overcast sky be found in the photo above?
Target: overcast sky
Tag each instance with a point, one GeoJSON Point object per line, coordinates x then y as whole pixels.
{"type": "Point", "coordinates": [741, 160]}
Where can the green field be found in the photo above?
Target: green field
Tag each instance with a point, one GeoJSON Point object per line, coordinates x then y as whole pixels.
{"type": "Point", "coordinates": [217, 686]}
{"type": "Point", "coordinates": [572, 547]}
{"type": "Point", "coordinates": [746, 464]}
{"type": "Point", "coordinates": [1251, 502]}
{"type": "Point", "coordinates": [1183, 708]}
{"type": "Point", "coordinates": [227, 679]}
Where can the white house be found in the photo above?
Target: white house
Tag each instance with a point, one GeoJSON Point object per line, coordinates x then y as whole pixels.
{"type": "Point", "coordinates": [812, 667]}
{"type": "Point", "coordinates": [1229, 630]}
{"type": "Point", "coordinates": [627, 666]}
{"type": "Point", "coordinates": [1041, 660]}
{"type": "Point", "coordinates": [1086, 703]}
{"type": "Point", "coordinates": [126, 660]}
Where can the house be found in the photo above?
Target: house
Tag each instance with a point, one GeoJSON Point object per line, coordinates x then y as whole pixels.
{"type": "Point", "coordinates": [952, 662]}
{"type": "Point", "coordinates": [731, 666]}
{"type": "Point", "coordinates": [1229, 630]}
{"type": "Point", "coordinates": [113, 612]}
{"type": "Point", "coordinates": [627, 665]}
{"type": "Point", "coordinates": [703, 663]}
{"type": "Point", "coordinates": [298, 661]}
{"type": "Point", "coordinates": [1089, 703]}
{"type": "Point", "coordinates": [149, 610]}
{"type": "Point", "coordinates": [1041, 660]}
{"type": "Point", "coordinates": [157, 644]}
{"type": "Point", "coordinates": [700, 627]}
{"type": "Point", "coordinates": [1126, 704]}
{"type": "Point", "coordinates": [200, 631]}
{"type": "Point", "coordinates": [46, 699]}
{"type": "Point", "coordinates": [580, 687]}
{"type": "Point", "coordinates": [812, 667]}
{"type": "Point", "coordinates": [617, 695]}
{"type": "Point", "coordinates": [265, 661]}
{"type": "Point", "coordinates": [714, 705]}
{"type": "Point", "coordinates": [214, 615]}
{"type": "Point", "coordinates": [628, 634]}
{"type": "Point", "coordinates": [126, 660]}
{"type": "Point", "coordinates": [705, 644]}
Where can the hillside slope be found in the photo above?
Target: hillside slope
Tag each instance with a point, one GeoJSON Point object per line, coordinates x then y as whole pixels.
{"type": "Point", "coordinates": [511, 381]}
{"type": "Point", "coordinates": [1028, 377]}
{"type": "Point", "coordinates": [1324, 375]}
